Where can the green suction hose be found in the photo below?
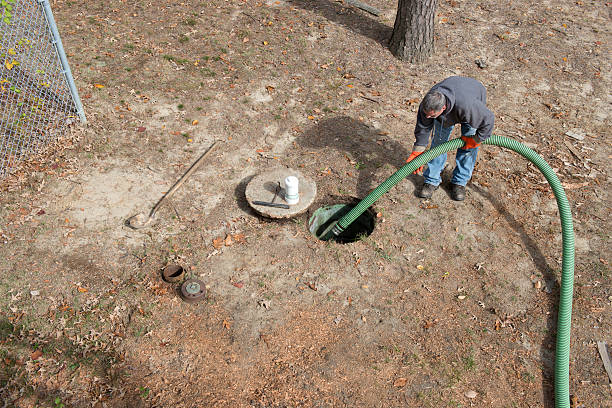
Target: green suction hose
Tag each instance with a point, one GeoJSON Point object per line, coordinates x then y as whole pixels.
{"type": "Point", "coordinates": [562, 399]}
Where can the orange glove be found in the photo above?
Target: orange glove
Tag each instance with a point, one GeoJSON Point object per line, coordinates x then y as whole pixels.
{"type": "Point", "coordinates": [412, 156]}
{"type": "Point", "coordinates": [470, 143]}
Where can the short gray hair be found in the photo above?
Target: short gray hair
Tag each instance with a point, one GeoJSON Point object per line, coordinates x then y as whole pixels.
{"type": "Point", "coordinates": [433, 101]}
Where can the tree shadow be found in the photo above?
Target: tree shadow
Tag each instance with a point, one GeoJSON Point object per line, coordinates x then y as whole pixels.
{"type": "Point", "coordinates": [547, 356]}
{"type": "Point", "coordinates": [348, 17]}
{"type": "Point", "coordinates": [368, 149]}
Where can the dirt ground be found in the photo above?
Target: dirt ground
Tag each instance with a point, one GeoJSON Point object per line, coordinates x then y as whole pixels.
{"type": "Point", "coordinates": [445, 304]}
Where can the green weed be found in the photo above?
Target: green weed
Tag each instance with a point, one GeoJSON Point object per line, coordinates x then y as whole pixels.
{"type": "Point", "coordinates": [144, 392]}
{"type": "Point", "coordinates": [468, 362]}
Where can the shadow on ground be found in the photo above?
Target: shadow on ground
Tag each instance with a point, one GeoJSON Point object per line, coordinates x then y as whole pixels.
{"type": "Point", "coordinates": [546, 355]}
{"type": "Point", "coordinates": [367, 148]}
{"type": "Point", "coordinates": [348, 17]}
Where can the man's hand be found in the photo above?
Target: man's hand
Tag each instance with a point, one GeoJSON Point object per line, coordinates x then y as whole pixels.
{"type": "Point", "coordinates": [412, 156]}
{"type": "Point", "coordinates": [470, 143]}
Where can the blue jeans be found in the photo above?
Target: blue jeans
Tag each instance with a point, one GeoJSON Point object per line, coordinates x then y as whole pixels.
{"type": "Point", "coordinates": [465, 159]}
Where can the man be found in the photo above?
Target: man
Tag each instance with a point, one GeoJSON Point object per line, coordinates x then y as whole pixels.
{"type": "Point", "coordinates": [454, 100]}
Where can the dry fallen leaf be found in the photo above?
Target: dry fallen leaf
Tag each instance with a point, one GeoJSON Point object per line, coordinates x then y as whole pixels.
{"type": "Point", "coordinates": [430, 323]}
{"type": "Point", "coordinates": [400, 382]}
{"type": "Point", "coordinates": [239, 237]}
{"type": "Point", "coordinates": [36, 355]}
{"type": "Point", "coordinates": [82, 290]}
{"type": "Point", "coordinates": [217, 243]}
{"type": "Point", "coordinates": [426, 206]}
{"type": "Point", "coordinates": [99, 86]}
{"type": "Point", "coordinates": [471, 394]}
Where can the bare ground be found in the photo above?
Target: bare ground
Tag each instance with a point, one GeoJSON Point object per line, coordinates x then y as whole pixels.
{"type": "Point", "coordinates": [441, 299]}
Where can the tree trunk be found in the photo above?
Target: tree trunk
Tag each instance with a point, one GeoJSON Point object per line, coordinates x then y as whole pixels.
{"type": "Point", "coordinates": [413, 33]}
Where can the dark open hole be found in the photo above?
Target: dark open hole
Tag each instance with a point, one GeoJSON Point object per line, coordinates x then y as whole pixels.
{"type": "Point", "coordinates": [326, 216]}
{"type": "Point", "coordinates": [172, 273]}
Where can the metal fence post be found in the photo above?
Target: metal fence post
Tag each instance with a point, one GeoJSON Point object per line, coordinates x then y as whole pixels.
{"type": "Point", "coordinates": [62, 56]}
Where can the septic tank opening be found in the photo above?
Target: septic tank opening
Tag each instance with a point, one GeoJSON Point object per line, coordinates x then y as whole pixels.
{"type": "Point", "coordinates": [325, 216]}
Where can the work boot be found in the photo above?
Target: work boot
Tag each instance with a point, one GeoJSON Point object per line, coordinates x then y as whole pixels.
{"type": "Point", "coordinates": [457, 192]}
{"type": "Point", "coordinates": [427, 190]}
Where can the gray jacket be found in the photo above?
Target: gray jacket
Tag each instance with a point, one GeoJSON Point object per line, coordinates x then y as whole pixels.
{"type": "Point", "coordinates": [466, 100]}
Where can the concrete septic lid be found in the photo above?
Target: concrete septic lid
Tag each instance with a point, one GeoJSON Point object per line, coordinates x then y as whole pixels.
{"type": "Point", "coordinates": [263, 188]}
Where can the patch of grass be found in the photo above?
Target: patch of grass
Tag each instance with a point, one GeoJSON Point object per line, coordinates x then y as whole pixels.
{"type": "Point", "coordinates": [601, 270]}
{"type": "Point", "coordinates": [468, 362]}
{"type": "Point", "coordinates": [140, 331]}
{"type": "Point", "coordinates": [191, 22]}
{"type": "Point", "coordinates": [181, 61]}
{"type": "Point", "coordinates": [6, 328]}
{"type": "Point", "coordinates": [208, 72]}
{"type": "Point", "coordinates": [183, 39]}
{"type": "Point", "coordinates": [527, 376]}
{"type": "Point", "coordinates": [383, 254]}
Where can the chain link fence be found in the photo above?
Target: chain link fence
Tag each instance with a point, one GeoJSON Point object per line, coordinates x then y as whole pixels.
{"type": "Point", "coordinates": [38, 98]}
